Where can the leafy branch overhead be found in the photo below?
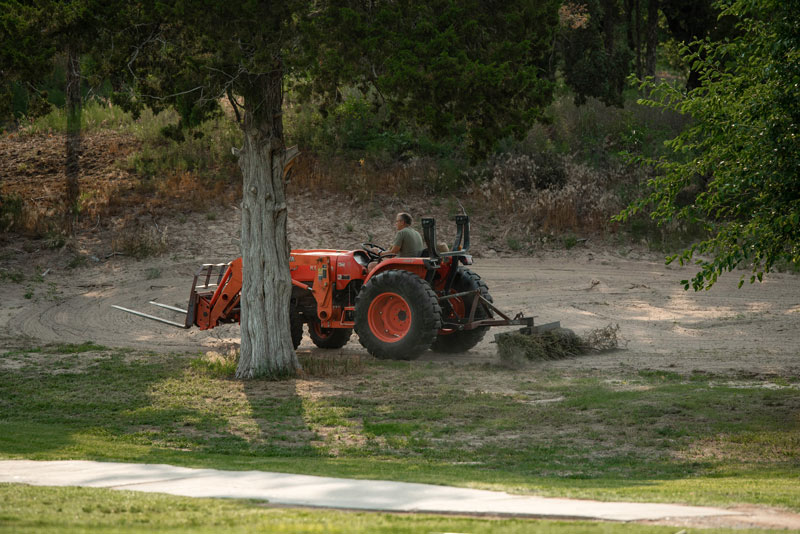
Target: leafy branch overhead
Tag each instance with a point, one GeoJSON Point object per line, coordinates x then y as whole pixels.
{"type": "Point", "coordinates": [474, 68]}
{"type": "Point", "coordinates": [742, 147]}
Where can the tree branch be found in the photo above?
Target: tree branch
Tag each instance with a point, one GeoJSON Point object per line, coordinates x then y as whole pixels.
{"type": "Point", "coordinates": [234, 104]}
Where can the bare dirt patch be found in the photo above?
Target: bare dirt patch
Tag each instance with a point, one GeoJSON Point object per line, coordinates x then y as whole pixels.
{"type": "Point", "coordinates": [751, 517]}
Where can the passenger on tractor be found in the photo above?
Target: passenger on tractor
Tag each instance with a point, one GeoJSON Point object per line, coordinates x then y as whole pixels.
{"type": "Point", "coordinates": [407, 242]}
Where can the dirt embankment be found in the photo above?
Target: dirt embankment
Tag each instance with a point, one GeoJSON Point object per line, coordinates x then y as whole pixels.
{"type": "Point", "coordinates": [32, 169]}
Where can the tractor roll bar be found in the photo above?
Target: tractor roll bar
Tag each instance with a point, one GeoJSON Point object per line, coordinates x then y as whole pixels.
{"type": "Point", "coordinates": [460, 245]}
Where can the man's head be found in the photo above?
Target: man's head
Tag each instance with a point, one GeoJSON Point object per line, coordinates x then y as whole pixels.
{"type": "Point", "coordinates": [402, 220]}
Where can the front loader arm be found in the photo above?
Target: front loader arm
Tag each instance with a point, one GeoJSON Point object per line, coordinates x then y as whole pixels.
{"type": "Point", "coordinates": [208, 309]}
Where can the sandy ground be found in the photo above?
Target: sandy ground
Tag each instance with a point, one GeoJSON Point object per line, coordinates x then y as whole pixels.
{"type": "Point", "coordinates": [751, 330]}
{"type": "Point", "coordinates": [67, 292]}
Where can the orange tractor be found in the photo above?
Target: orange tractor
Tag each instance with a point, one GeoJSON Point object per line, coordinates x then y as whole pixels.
{"type": "Point", "coordinates": [399, 309]}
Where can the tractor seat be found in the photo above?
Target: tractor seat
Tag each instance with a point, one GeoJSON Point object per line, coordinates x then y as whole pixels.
{"type": "Point", "coordinates": [441, 247]}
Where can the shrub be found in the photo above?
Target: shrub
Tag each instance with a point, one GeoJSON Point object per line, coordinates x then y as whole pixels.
{"type": "Point", "coordinates": [583, 202]}
{"type": "Point", "coordinates": [140, 241]}
{"type": "Point", "coordinates": [11, 212]}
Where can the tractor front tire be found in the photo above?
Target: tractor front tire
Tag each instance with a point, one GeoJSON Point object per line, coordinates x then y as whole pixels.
{"type": "Point", "coordinates": [296, 329]}
{"type": "Point", "coordinates": [452, 341]}
{"type": "Point", "coordinates": [397, 315]}
{"type": "Point", "coordinates": [328, 338]}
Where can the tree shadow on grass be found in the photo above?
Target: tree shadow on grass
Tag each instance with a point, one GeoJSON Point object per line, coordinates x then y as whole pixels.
{"type": "Point", "coordinates": [104, 404]}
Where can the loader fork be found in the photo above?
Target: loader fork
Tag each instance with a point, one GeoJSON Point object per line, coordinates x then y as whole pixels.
{"type": "Point", "coordinates": [213, 300]}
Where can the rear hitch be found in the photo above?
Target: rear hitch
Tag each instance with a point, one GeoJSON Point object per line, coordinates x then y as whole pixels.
{"type": "Point", "coordinates": [470, 323]}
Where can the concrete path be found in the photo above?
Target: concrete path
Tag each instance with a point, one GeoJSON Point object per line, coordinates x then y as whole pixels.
{"type": "Point", "coordinates": [304, 490]}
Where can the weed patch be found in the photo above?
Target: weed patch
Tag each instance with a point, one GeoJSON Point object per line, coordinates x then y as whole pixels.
{"type": "Point", "coordinates": [194, 168]}
{"type": "Point", "coordinates": [325, 364]}
{"type": "Point", "coordinates": [140, 241]}
{"type": "Point", "coordinates": [314, 364]}
{"type": "Point", "coordinates": [79, 260]}
{"type": "Point", "coordinates": [216, 364]}
{"type": "Point", "coordinates": [96, 115]}
{"type": "Point", "coordinates": [13, 275]}
{"type": "Point", "coordinates": [580, 202]}
{"type": "Point", "coordinates": [73, 348]}
{"type": "Point", "coordinates": [11, 212]}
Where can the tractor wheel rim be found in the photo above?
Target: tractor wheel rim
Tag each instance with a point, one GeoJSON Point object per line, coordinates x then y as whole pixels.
{"type": "Point", "coordinates": [389, 317]}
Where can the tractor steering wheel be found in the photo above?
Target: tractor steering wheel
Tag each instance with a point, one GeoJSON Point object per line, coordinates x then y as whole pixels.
{"type": "Point", "coordinates": [367, 247]}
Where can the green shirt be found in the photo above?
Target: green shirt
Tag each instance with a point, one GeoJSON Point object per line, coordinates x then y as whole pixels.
{"type": "Point", "coordinates": [410, 243]}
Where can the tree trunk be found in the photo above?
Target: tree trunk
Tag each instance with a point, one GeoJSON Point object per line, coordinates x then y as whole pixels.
{"type": "Point", "coordinates": [266, 348]}
{"type": "Point", "coordinates": [637, 19]}
{"type": "Point", "coordinates": [73, 101]}
{"type": "Point", "coordinates": [609, 24]}
{"type": "Point", "coordinates": [629, 24]}
{"type": "Point", "coordinates": [652, 37]}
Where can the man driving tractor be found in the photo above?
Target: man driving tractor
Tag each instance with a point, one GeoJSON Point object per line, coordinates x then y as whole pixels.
{"type": "Point", "coordinates": [407, 242]}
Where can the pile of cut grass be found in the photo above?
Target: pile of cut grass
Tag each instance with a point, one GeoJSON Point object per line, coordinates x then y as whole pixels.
{"type": "Point", "coordinates": [516, 348]}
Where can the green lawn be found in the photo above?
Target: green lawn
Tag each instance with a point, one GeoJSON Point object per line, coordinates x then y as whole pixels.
{"type": "Point", "coordinates": [642, 436]}
{"type": "Point", "coordinates": [29, 510]}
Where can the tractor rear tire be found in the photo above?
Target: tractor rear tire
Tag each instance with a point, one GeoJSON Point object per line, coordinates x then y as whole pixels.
{"type": "Point", "coordinates": [397, 315]}
{"type": "Point", "coordinates": [463, 340]}
{"type": "Point", "coordinates": [296, 328]}
{"type": "Point", "coordinates": [328, 338]}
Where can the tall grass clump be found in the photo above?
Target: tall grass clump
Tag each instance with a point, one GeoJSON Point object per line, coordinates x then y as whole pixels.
{"type": "Point", "coordinates": [11, 212]}
{"type": "Point", "coordinates": [217, 364]}
{"type": "Point", "coordinates": [19, 216]}
{"type": "Point", "coordinates": [139, 240]}
{"type": "Point", "coordinates": [547, 193]}
{"type": "Point", "coordinates": [96, 115]}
